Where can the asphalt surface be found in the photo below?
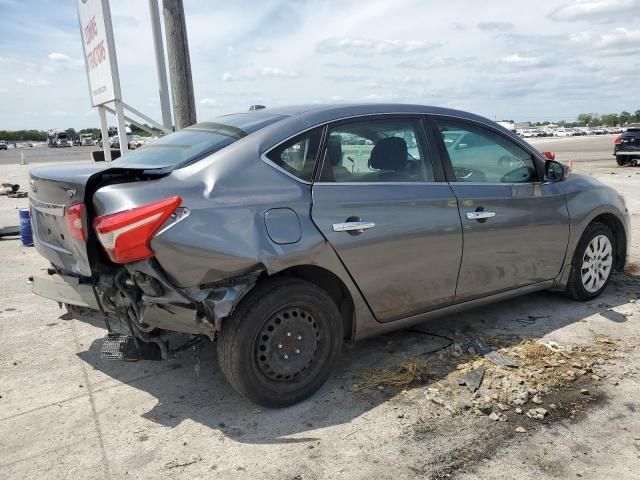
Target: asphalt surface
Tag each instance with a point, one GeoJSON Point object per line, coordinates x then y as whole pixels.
{"type": "Point", "coordinates": [44, 154]}
{"type": "Point", "coordinates": [65, 413]}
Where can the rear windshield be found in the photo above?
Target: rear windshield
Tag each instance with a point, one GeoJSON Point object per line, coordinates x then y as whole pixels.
{"type": "Point", "coordinates": [196, 142]}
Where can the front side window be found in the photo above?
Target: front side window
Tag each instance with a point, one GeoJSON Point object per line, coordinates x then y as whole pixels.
{"type": "Point", "coordinates": [479, 155]}
{"type": "Point", "coordinates": [390, 150]}
{"type": "Point", "coordinates": [298, 156]}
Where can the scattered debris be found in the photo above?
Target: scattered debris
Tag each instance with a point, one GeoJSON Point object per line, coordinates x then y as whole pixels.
{"type": "Point", "coordinates": [494, 416]}
{"type": "Point", "coordinates": [7, 188]}
{"type": "Point", "coordinates": [473, 379]}
{"type": "Point", "coordinates": [585, 391]}
{"type": "Point", "coordinates": [11, 231]}
{"type": "Point", "coordinates": [536, 413]}
{"type": "Point", "coordinates": [483, 349]}
{"type": "Point", "coordinates": [176, 463]}
{"type": "Point", "coordinates": [537, 400]}
{"type": "Point", "coordinates": [521, 430]}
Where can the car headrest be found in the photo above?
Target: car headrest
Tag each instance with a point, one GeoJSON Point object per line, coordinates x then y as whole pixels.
{"type": "Point", "coordinates": [389, 154]}
{"type": "Point", "coordinates": [334, 150]}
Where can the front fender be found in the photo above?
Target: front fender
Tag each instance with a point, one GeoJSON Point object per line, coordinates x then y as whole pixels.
{"type": "Point", "coordinates": [588, 200]}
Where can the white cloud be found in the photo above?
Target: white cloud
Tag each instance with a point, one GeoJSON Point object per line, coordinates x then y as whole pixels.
{"type": "Point", "coordinates": [524, 60]}
{"type": "Point", "coordinates": [59, 61]}
{"type": "Point", "coordinates": [495, 26]}
{"type": "Point", "coordinates": [275, 72]}
{"type": "Point", "coordinates": [618, 41]}
{"type": "Point", "coordinates": [435, 62]}
{"type": "Point", "coordinates": [261, 73]}
{"type": "Point", "coordinates": [33, 83]}
{"type": "Point", "coordinates": [363, 46]}
{"type": "Point", "coordinates": [4, 90]}
{"type": "Point", "coordinates": [208, 102]}
{"type": "Point", "coordinates": [596, 10]}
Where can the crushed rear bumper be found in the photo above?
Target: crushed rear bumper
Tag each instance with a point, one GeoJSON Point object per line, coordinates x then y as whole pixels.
{"type": "Point", "coordinates": [64, 289]}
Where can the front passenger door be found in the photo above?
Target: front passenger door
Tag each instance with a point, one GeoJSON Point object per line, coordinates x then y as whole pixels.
{"type": "Point", "coordinates": [515, 227]}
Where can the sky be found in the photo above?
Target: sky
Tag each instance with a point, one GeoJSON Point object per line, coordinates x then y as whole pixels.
{"type": "Point", "coordinates": [504, 59]}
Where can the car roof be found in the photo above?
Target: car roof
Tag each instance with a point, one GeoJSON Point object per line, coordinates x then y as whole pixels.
{"type": "Point", "coordinates": [344, 109]}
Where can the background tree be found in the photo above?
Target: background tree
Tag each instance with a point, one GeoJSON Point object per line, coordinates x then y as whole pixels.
{"type": "Point", "coordinates": [625, 117]}
{"type": "Point", "coordinates": [585, 118]}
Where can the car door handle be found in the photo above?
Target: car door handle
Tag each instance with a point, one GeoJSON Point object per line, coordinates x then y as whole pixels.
{"type": "Point", "coordinates": [482, 215]}
{"type": "Point", "coordinates": [352, 226]}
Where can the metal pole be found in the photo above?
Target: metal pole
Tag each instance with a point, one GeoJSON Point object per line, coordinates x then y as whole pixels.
{"type": "Point", "coordinates": [184, 104]}
{"type": "Point", "coordinates": [161, 67]}
{"type": "Point", "coordinates": [105, 134]}
{"type": "Point", "coordinates": [122, 128]}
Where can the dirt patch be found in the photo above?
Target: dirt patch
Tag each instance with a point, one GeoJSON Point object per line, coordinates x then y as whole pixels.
{"type": "Point", "coordinates": [551, 383]}
{"type": "Point", "coordinates": [570, 405]}
{"type": "Point", "coordinates": [632, 269]}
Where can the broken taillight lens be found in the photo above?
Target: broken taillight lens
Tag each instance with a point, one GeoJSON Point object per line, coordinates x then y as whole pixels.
{"type": "Point", "coordinates": [73, 215]}
{"type": "Point", "coordinates": [126, 235]}
{"type": "Point", "coordinates": [618, 140]}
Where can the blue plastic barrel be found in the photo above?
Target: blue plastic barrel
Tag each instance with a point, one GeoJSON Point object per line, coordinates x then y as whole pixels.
{"type": "Point", "coordinates": [26, 235]}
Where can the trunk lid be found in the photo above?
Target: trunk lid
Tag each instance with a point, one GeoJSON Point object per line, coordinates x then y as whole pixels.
{"type": "Point", "coordinates": [52, 191]}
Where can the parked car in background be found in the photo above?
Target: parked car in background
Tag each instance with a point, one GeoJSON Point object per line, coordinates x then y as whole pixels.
{"type": "Point", "coordinates": [562, 132]}
{"type": "Point", "coordinates": [3, 145]}
{"type": "Point", "coordinates": [284, 233]}
{"type": "Point", "coordinates": [627, 147]}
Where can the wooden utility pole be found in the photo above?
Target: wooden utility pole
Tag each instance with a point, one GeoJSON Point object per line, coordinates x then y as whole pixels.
{"type": "Point", "coordinates": [184, 103]}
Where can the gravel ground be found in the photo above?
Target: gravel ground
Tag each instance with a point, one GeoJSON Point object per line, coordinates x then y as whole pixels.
{"type": "Point", "coordinates": [64, 413]}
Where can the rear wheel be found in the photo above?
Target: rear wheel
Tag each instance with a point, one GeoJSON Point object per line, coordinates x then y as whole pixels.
{"type": "Point", "coordinates": [592, 263]}
{"type": "Point", "coordinates": [621, 160]}
{"type": "Point", "coordinates": [282, 342]}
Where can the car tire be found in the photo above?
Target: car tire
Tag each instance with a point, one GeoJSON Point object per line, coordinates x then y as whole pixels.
{"type": "Point", "coordinates": [621, 161]}
{"type": "Point", "coordinates": [592, 264]}
{"type": "Point", "coordinates": [281, 343]}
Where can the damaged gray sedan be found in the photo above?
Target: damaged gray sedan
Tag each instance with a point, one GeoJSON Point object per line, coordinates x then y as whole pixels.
{"type": "Point", "coordinates": [283, 233]}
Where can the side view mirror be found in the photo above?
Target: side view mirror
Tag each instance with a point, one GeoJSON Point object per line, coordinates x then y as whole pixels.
{"type": "Point", "coordinates": [556, 171]}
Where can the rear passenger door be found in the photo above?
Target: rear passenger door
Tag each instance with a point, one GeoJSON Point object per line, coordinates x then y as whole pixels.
{"type": "Point", "coordinates": [395, 227]}
{"type": "Point", "coordinates": [515, 226]}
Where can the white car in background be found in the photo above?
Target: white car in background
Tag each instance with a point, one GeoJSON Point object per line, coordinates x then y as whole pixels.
{"type": "Point", "coordinates": [562, 132]}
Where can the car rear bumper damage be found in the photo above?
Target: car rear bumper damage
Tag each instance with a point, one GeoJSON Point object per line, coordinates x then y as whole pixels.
{"type": "Point", "coordinates": [139, 300]}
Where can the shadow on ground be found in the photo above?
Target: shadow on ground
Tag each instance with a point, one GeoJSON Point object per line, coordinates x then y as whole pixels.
{"type": "Point", "coordinates": [206, 398]}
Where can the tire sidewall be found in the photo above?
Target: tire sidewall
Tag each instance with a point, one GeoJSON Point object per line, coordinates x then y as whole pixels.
{"type": "Point", "coordinates": [576, 281]}
{"type": "Point", "coordinates": [247, 322]}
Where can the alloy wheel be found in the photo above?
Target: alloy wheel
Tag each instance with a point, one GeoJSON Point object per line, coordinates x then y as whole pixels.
{"type": "Point", "coordinates": [596, 263]}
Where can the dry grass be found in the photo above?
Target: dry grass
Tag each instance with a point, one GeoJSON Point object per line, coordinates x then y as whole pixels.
{"type": "Point", "coordinates": [532, 350]}
{"type": "Point", "coordinates": [632, 269]}
{"type": "Point", "coordinates": [409, 372]}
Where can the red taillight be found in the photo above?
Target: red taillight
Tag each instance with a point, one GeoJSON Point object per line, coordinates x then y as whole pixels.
{"type": "Point", "coordinates": [549, 155]}
{"type": "Point", "coordinates": [618, 140]}
{"type": "Point", "coordinates": [73, 215]}
{"type": "Point", "coordinates": [126, 235]}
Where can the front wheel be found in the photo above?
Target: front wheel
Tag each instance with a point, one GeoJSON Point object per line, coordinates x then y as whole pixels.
{"type": "Point", "coordinates": [282, 342]}
{"type": "Point", "coordinates": [592, 264]}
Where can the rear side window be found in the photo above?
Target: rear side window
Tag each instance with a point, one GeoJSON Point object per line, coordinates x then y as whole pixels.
{"type": "Point", "coordinates": [195, 142]}
{"type": "Point", "coordinates": [376, 151]}
{"type": "Point", "coordinates": [298, 156]}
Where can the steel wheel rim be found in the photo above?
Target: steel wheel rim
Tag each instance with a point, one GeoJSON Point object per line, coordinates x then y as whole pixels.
{"type": "Point", "coordinates": [596, 263]}
{"type": "Point", "coordinates": [288, 344]}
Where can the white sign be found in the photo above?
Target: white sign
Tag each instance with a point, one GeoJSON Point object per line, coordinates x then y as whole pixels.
{"type": "Point", "coordinates": [99, 50]}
